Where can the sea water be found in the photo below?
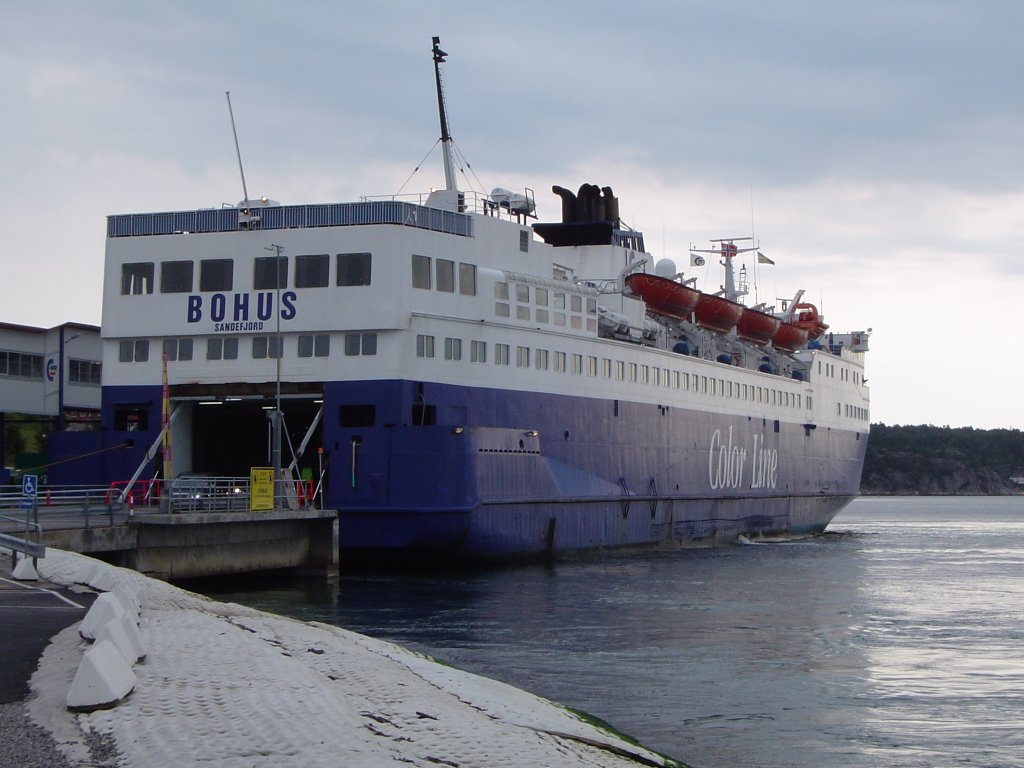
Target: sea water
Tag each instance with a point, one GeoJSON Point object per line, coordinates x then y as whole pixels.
{"type": "Point", "coordinates": [894, 639]}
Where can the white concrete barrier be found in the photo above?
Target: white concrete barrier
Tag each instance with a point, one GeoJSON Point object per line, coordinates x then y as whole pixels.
{"type": "Point", "coordinates": [103, 679]}
{"type": "Point", "coordinates": [123, 632]}
{"type": "Point", "coordinates": [103, 609]}
{"type": "Point", "coordinates": [25, 570]}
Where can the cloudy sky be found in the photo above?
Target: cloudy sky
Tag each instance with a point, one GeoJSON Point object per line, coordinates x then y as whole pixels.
{"type": "Point", "coordinates": [874, 148]}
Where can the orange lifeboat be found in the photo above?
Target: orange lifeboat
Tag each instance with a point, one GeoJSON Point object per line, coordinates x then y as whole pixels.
{"type": "Point", "coordinates": [717, 313]}
{"type": "Point", "coordinates": [663, 296]}
{"type": "Point", "coordinates": [789, 338]}
{"type": "Point", "coordinates": [807, 317]}
{"type": "Point", "coordinates": [757, 327]}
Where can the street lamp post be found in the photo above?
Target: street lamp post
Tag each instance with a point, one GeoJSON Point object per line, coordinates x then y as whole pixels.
{"type": "Point", "coordinates": [275, 419]}
{"type": "Point", "coordinates": [60, 374]}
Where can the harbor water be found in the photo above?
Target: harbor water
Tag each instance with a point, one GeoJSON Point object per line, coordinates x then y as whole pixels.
{"type": "Point", "coordinates": [894, 639]}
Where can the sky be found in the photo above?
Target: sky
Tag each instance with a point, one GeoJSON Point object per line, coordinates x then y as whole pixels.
{"type": "Point", "coordinates": [873, 148]}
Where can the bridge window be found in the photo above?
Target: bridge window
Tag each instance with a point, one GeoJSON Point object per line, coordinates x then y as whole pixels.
{"type": "Point", "coordinates": [176, 276]}
{"type": "Point", "coordinates": [420, 271]}
{"type": "Point", "coordinates": [354, 268]}
{"type": "Point", "coordinates": [445, 275]}
{"type": "Point", "coordinates": [312, 270]}
{"type": "Point", "coordinates": [270, 272]}
{"type": "Point", "coordinates": [137, 278]}
{"type": "Point", "coordinates": [467, 279]}
{"type": "Point", "coordinates": [216, 274]}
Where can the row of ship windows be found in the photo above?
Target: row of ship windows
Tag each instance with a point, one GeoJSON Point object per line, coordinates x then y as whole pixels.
{"type": "Point", "coordinates": [853, 411]}
{"type": "Point", "coordinates": [845, 374]}
{"type": "Point", "coordinates": [547, 306]}
{"type": "Point", "coordinates": [606, 368]}
{"type": "Point", "coordinates": [310, 271]}
{"type": "Point", "coordinates": [23, 365]}
{"type": "Point", "coordinates": [262, 347]}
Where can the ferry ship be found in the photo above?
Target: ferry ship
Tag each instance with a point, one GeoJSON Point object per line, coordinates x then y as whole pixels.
{"type": "Point", "coordinates": [464, 381]}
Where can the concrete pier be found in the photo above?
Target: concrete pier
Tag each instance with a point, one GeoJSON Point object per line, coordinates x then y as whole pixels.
{"type": "Point", "coordinates": [187, 545]}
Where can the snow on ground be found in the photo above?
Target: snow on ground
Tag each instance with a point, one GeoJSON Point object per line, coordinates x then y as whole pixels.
{"type": "Point", "coordinates": [231, 686]}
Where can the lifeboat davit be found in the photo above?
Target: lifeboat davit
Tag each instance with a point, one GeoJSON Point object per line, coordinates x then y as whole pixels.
{"type": "Point", "coordinates": [717, 313]}
{"type": "Point", "coordinates": [757, 327]}
{"type": "Point", "coordinates": [664, 296]}
{"type": "Point", "coordinates": [789, 338]}
{"type": "Point", "coordinates": [807, 317]}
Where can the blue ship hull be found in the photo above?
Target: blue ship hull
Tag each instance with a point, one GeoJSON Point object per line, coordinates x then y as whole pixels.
{"type": "Point", "coordinates": [492, 474]}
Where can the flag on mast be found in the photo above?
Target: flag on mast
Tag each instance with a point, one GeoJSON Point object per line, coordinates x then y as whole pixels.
{"type": "Point", "coordinates": [696, 260]}
{"type": "Point", "coordinates": [762, 259]}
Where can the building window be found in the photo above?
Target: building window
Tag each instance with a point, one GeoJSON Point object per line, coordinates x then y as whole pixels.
{"type": "Point", "coordinates": [21, 364]}
{"type": "Point", "coordinates": [176, 276]}
{"type": "Point", "coordinates": [445, 275]}
{"type": "Point", "coordinates": [319, 345]}
{"type": "Point", "coordinates": [541, 360]}
{"type": "Point", "coordinates": [178, 349]}
{"type": "Point", "coordinates": [501, 354]}
{"type": "Point", "coordinates": [270, 272]}
{"type": "Point", "coordinates": [420, 271]}
{"type": "Point", "coordinates": [84, 371]}
{"type": "Point", "coordinates": [452, 349]}
{"type": "Point", "coordinates": [133, 351]}
{"type": "Point", "coordinates": [424, 345]}
{"type": "Point", "coordinates": [354, 268]}
{"type": "Point", "coordinates": [266, 347]}
{"type": "Point", "coordinates": [478, 351]}
{"type": "Point", "coordinates": [467, 279]}
{"type": "Point", "coordinates": [312, 270]}
{"type": "Point", "coordinates": [137, 278]}
{"type": "Point", "coordinates": [216, 274]}
{"type": "Point", "coordinates": [522, 357]}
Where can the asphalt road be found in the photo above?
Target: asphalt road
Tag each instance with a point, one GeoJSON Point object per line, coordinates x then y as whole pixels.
{"type": "Point", "coordinates": [31, 612]}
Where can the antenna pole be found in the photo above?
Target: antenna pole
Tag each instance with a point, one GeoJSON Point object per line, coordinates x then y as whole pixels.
{"type": "Point", "coordinates": [446, 139]}
{"type": "Point", "coordinates": [245, 192]}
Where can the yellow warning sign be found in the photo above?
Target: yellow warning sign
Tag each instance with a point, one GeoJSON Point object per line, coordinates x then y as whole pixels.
{"type": "Point", "coordinates": [261, 489]}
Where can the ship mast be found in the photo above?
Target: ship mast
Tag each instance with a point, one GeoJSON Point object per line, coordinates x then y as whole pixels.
{"type": "Point", "coordinates": [446, 138]}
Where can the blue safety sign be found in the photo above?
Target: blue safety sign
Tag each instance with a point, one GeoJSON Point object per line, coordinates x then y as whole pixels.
{"type": "Point", "coordinates": [29, 485]}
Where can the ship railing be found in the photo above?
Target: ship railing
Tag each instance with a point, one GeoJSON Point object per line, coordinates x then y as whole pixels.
{"type": "Point", "coordinates": [470, 202]}
{"type": "Point", "coordinates": [384, 211]}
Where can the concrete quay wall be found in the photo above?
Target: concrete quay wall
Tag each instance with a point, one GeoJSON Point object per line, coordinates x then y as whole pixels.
{"type": "Point", "coordinates": [195, 545]}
